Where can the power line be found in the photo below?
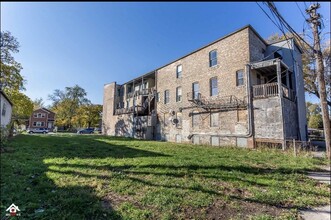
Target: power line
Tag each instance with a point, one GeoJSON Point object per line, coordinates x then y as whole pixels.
{"type": "Point", "coordinates": [274, 10]}
{"type": "Point", "coordinates": [300, 10]}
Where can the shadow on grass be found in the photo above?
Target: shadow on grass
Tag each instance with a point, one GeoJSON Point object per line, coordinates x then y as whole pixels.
{"type": "Point", "coordinates": [191, 170]}
{"type": "Point", "coordinates": [25, 183]}
{"type": "Point", "coordinates": [33, 190]}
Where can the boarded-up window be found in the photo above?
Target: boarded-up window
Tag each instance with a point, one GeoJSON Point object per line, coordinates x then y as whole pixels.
{"type": "Point", "coordinates": [214, 119]}
{"type": "Point", "coordinates": [196, 139]}
{"type": "Point", "coordinates": [215, 141]}
{"type": "Point", "coordinates": [166, 119]}
{"type": "Point", "coordinates": [242, 116]}
{"type": "Point", "coordinates": [178, 138]}
{"type": "Point", "coordinates": [195, 119]}
{"type": "Point", "coordinates": [179, 120]}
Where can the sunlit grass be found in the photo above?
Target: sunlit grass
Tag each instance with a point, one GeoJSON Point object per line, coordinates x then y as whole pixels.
{"type": "Point", "coordinates": [98, 177]}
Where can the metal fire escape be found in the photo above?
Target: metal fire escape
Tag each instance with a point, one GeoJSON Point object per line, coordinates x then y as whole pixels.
{"type": "Point", "coordinates": [221, 103]}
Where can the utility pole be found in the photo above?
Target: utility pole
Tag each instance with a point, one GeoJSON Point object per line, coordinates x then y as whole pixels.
{"type": "Point", "coordinates": [315, 23]}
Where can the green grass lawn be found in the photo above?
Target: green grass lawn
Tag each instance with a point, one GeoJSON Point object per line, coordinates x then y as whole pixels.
{"type": "Point", "coordinates": [97, 177]}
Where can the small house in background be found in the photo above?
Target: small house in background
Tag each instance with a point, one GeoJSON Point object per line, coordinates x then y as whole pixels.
{"type": "Point", "coordinates": [6, 109]}
{"type": "Point", "coordinates": [42, 118]}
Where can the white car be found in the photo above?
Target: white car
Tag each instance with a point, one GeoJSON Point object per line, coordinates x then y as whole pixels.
{"type": "Point", "coordinates": [37, 130]}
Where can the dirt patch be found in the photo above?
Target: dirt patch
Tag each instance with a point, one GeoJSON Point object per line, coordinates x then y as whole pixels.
{"type": "Point", "coordinates": [114, 200]}
{"type": "Point", "coordinates": [233, 210]}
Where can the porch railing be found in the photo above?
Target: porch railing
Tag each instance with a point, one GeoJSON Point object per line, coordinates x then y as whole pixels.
{"type": "Point", "coordinates": [270, 90]}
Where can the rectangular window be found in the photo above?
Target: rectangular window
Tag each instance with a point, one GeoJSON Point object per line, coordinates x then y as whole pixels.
{"type": "Point", "coordinates": [212, 58]}
{"type": "Point", "coordinates": [35, 115]}
{"type": "Point", "coordinates": [158, 96]}
{"type": "Point", "coordinates": [179, 71]}
{"type": "Point", "coordinates": [38, 123]}
{"type": "Point", "coordinates": [43, 115]}
{"type": "Point", "coordinates": [195, 90]}
{"type": "Point", "coordinates": [166, 96]}
{"type": "Point", "coordinates": [240, 77]}
{"type": "Point", "coordinates": [214, 119]}
{"type": "Point", "coordinates": [178, 94]}
{"type": "Point", "coordinates": [213, 87]}
{"type": "Point", "coordinates": [127, 104]}
{"type": "Point", "coordinates": [129, 89]}
{"type": "Point", "coordinates": [3, 109]}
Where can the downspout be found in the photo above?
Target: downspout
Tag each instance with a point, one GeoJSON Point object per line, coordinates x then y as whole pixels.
{"type": "Point", "coordinates": [155, 105]}
{"type": "Point", "coordinates": [280, 94]}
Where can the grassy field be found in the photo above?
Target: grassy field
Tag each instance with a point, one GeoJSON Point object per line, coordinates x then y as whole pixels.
{"type": "Point", "coordinates": [97, 177]}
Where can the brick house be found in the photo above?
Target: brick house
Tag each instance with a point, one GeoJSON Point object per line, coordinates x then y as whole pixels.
{"type": "Point", "coordinates": [42, 118]}
{"type": "Point", "coordinates": [237, 90]}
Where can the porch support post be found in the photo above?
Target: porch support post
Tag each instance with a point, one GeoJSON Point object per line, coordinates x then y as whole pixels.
{"type": "Point", "coordinates": [280, 94]}
{"type": "Point", "coordinates": [287, 79]}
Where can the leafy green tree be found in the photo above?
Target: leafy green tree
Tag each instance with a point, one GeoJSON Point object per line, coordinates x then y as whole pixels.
{"type": "Point", "coordinates": [314, 115]}
{"type": "Point", "coordinates": [88, 115]}
{"type": "Point", "coordinates": [66, 104]}
{"type": "Point", "coordinates": [38, 103]}
{"type": "Point", "coordinates": [10, 77]}
{"type": "Point", "coordinates": [315, 121]}
{"type": "Point", "coordinates": [22, 106]}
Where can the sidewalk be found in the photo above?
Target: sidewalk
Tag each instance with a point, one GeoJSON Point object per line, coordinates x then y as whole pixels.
{"type": "Point", "coordinates": [320, 213]}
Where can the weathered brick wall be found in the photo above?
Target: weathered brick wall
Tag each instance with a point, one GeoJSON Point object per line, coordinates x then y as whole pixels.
{"type": "Point", "coordinates": [232, 55]}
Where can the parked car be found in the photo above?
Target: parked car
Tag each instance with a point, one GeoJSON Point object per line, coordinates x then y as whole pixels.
{"type": "Point", "coordinates": [37, 130]}
{"type": "Point", "coordinates": [86, 131]}
{"type": "Point", "coordinates": [97, 130]}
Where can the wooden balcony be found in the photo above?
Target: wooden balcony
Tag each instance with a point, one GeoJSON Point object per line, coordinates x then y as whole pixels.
{"type": "Point", "coordinates": [271, 90]}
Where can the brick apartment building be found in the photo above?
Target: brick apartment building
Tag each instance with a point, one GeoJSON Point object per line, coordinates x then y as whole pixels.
{"type": "Point", "coordinates": [42, 118]}
{"type": "Point", "coordinates": [237, 90]}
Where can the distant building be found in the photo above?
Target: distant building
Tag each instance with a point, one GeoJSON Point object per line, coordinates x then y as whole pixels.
{"type": "Point", "coordinates": [237, 90]}
{"type": "Point", "coordinates": [42, 118]}
{"type": "Point", "coordinates": [6, 109]}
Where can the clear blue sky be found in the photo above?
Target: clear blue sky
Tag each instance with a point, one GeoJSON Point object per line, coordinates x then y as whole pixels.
{"type": "Point", "coordinates": [91, 44]}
